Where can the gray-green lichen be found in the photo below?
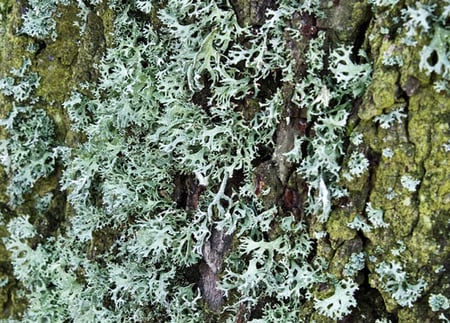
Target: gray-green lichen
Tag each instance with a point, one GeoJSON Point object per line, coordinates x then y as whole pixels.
{"type": "Point", "coordinates": [207, 150]}
{"type": "Point", "coordinates": [409, 177]}
{"type": "Point", "coordinates": [60, 65]}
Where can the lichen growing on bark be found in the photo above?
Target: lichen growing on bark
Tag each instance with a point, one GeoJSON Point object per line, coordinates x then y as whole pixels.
{"type": "Point", "coordinates": [208, 149]}
{"type": "Point", "coordinates": [59, 64]}
{"type": "Point", "coordinates": [413, 149]}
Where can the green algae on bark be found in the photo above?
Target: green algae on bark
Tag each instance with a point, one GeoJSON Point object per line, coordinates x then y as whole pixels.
{"type": "Point", "coordinates": [412, 149]}
{"type": "Point", "coordinates": [62, 64]}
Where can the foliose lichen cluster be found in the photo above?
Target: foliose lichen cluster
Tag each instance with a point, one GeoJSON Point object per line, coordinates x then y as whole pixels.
{"type": "Point", "coordinates": [193, 161]}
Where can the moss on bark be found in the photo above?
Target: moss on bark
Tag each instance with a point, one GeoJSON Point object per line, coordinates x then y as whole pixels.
{"type": "Point", "coordinates": [418, 219]}
{"type": "Point", "coordinates": [62, 64]}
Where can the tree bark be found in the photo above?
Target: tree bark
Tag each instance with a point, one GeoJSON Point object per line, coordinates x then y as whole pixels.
{"type": "Point", "coordinates": [407, 176]}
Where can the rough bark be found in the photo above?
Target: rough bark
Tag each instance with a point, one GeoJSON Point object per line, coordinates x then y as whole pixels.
{"type": "Point", "coordinates": [418, 220]}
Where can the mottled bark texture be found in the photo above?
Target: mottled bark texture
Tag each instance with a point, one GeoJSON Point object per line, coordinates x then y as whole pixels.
{"type": "Point", "coordinates": [214, 252]}
{"type": "Point", "coordinates": [61, 64]}
{"type": "Point", "coordinates": [419, 221]}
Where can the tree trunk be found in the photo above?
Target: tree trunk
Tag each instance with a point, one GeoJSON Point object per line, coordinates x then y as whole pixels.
{"type": "Point", "coordinates": [238, 161]}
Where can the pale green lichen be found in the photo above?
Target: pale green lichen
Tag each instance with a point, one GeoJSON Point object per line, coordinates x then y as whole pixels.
{"type": "Point", "coordinates": [173, 140]}
{"type": "Point", "coordinates": [407, 174]}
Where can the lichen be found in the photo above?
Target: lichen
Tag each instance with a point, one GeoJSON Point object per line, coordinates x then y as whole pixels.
{"type": "Point", "coordinates": [55, 63]}
{"type": "Point", "coordinates": [235, 147]}
{"type": "Point", "coordinates": [410, 177]}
